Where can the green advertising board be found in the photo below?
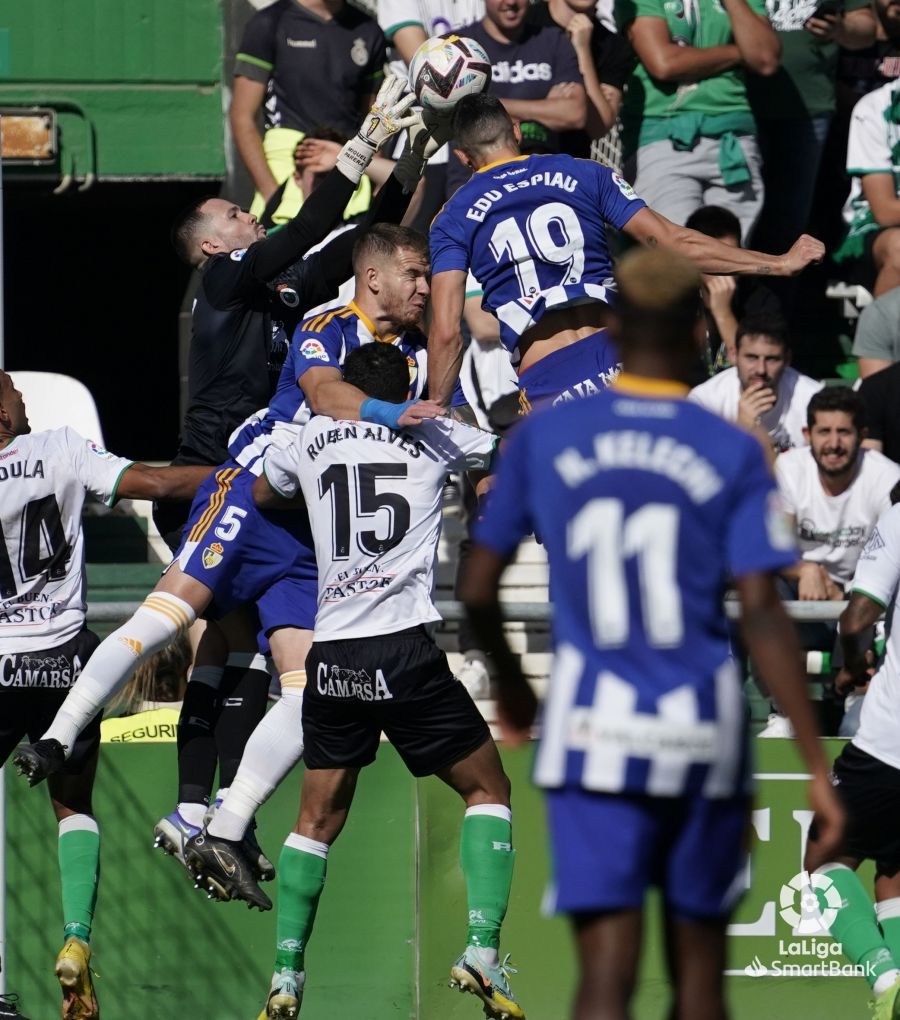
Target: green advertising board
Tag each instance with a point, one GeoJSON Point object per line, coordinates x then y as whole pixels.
{"type": "Point", "coordinates": [392, 917]}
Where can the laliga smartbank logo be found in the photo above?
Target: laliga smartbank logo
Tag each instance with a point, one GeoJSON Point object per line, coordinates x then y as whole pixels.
{"type": "Point", "coordinates": [809, 906]}
{"type": "Point", "coordinates": [800, 892]}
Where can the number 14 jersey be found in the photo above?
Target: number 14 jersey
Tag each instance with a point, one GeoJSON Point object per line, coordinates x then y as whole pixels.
{"type": "Point", "coordinates": [533, 232]}
{"type": "Point", "coordinates": [43, 481]}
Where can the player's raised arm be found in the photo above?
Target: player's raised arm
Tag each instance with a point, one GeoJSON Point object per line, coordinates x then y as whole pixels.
{"type": "Point", "coordinates": [772, 644]}
{"type": "Point", "coordinates": [445, 342]}
{"type": "Point", "coordinates": [710, 255]}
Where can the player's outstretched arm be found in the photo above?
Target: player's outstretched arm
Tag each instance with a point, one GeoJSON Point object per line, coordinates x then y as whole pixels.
{"type": "Point", "coordinates": [479, 588]}
{"type": "Point", "coordinates": [772, 644]}
{"type": "Point", "coordinates": [140, 481]}
{"type": "Point", "coordinates": [710, 255]}
{"type": "Point", "coordinates": [328, 394]}
{"type": "Point", "coordinates": [445, 342]}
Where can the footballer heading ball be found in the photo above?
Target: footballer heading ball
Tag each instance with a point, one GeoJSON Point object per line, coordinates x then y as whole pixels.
{"type": "Point", "coordinates": [443, 71]}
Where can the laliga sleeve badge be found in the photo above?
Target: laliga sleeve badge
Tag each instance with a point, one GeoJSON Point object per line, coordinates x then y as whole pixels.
{"type": "Point", "coordinates": [212, 555]}
{"type": "Point", "coordinates": [313, 350]}
{"type": "Point", "coordinates": [624, 187]}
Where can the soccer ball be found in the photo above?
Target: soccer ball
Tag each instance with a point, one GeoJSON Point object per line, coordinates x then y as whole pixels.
{"type": "Point", "coordinates": [442, 71]}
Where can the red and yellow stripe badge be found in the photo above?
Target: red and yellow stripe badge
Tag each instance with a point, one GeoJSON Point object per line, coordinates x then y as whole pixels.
{"type": "Point", "coordinates": [224, 478]}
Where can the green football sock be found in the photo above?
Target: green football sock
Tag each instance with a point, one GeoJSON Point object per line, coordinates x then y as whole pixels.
{"type": "Point", "coordinates": [301, 878]}
{"type": "Point", "coordinates": [79, 872]}
{"type": "Point", "coordinates": [888, 912]}
{"type": "Point", "coordinates": [486, 856]}
{"type": "Point", "coordinates": [855, 926]}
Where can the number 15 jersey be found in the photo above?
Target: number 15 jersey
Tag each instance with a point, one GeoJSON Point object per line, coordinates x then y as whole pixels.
{"type": "Point", "coordinates": [374, 501]}
{"type": "Point", "coordinates": [647, 505]}
{"type": "Point", "coordinates": [533, 232]}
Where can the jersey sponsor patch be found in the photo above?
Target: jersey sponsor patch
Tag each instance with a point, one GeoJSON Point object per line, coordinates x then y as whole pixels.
{"type": "Point", "coordinates": [238, 254]}
{"type": "Point", "coordinates": [624, 187]}
{"type": "Point", "coordinates": [313, 350]}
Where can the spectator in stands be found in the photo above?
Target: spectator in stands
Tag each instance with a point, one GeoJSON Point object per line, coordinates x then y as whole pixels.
{"type": "Point", "coordinates": [794, 106]}
{"type": "Point", "coordinates": [835, 491]}
{"type": "Point", "coordinates": [406, 25]}
{"type": "Point", "coordinates": [762, 391]}
{"type": "Point", "coordinates": [864, 70]}
{"type": "Point", "coordinates": [534, 72]}
{"type": "Point", "coordinates": [879, 393]}
{"type": "Point", "coordinates": [728, 299]}
{"type": "Point", "coordinates": [877, 340]}
{"type": "Point", "coordinates": [873, 208]}
{"type": "Point", "coordinates": [604, 59]}
{"type": "Point", "coordinates": [309, 62]}
{"type": "Point", "coordinates": [689, 136]}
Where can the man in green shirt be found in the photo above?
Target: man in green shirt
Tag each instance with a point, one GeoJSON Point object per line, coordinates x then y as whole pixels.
{"type": "Point", "coordinates": [689, 136]}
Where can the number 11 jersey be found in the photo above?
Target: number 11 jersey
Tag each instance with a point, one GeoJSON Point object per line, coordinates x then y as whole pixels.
{"type": "Point", "coordinates": [647, 505]}
{"type": "Point", "coordinates": [533, 232]}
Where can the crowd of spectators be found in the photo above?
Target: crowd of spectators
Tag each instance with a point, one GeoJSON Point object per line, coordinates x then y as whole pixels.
{"type": "Point", "coordinates": [748, 120]}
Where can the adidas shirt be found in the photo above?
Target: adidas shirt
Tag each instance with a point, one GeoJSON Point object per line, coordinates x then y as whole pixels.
{"type": "Point", "coordinates": [877, 576]}
{"type": "Point", "coordinates": [43, 481]}
{"type": "Point", "coordinates": [374, 501]}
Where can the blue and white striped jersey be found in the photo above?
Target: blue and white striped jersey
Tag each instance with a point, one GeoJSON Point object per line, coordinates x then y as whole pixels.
{"type": "Point", "coordinates": [646, 504]}
{"type": "Point", "coordinates": [533, 232]}
{"type": "Point", "coordinates": [321, 341]}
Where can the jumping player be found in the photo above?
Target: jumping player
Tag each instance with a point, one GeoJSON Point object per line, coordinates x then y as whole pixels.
{"type": "Point", "coordinates": [374, 499]}
{"type": "Point", "coordinates": [533, 231]}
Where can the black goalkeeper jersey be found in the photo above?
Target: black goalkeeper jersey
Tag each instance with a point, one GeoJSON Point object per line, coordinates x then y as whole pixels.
{"type": "Point", "coordinates": [241, 330]}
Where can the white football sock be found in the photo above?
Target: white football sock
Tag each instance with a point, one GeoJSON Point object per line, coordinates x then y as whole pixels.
{"type": "Point", "coordinates": [152, 627]}
{"type": "Point", "coordinates": [273, 749]}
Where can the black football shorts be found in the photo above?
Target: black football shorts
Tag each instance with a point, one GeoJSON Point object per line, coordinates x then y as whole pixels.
{"type": "Point", "coordinates": [399, 684]}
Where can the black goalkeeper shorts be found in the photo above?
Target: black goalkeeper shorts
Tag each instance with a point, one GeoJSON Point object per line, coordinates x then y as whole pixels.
{"type": "Point", "coordinates": [399, 684]}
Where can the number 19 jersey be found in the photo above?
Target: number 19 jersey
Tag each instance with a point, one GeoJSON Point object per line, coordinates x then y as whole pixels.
{"type": "Point", "coordinates": [647, 504]}
{"type": "Point", "coordinates": [43, 480]}
{"type": "Point", "coordinates": [533, 232]}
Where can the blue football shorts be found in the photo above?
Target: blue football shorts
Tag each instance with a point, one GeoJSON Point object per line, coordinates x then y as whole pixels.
{"type": "Point", "coordinates": [609, 848]}
{"type": "Point", "coordinates": [246, 555]}
{"type": "Point", "coordinates": [579, 370]}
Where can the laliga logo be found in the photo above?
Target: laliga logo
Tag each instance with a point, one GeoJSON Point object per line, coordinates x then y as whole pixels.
{"type": "Point", "coordinates": [811, 919]}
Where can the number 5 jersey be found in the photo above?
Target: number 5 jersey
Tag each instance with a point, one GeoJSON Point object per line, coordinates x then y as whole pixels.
{"type": "Point", "coordinates": [43, 481]}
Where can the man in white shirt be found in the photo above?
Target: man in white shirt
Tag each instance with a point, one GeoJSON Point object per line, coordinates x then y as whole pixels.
{"type": "Point", "coordinates": [761, 391]}
{"type": "Point", "coordinates": [867, 777]}
{"type": "Point", "coordinates": [373, 495]}
{"type": "Point", "coordinates": [835, 491]}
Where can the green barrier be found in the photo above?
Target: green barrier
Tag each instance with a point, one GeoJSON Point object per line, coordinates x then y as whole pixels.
{"type": "Point", "coordinates": [392, 917]}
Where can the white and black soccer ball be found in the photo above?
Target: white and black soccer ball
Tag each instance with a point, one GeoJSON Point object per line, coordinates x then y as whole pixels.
{"type": "Point", "coordinates": [443, 71]}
